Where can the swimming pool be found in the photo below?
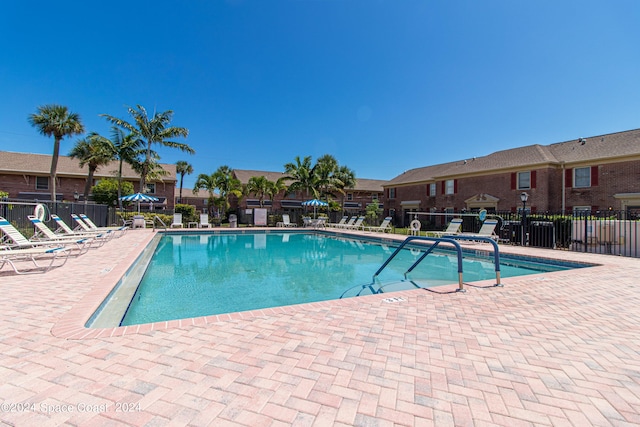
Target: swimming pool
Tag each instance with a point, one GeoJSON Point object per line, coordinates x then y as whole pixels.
{"type": "Point", "coordinates": [192, 275]}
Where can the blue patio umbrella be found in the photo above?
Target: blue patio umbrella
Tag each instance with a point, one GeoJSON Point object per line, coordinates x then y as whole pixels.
{"type": "Point", "coordinates": [315, 203]}
{"type": "Point", "coordinates": [139, 197]}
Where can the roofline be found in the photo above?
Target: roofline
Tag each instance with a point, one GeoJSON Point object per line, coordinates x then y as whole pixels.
{"type": "Point", "coordinates": [593, 136]}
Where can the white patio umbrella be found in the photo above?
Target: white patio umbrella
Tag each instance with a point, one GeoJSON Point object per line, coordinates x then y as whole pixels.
{"type": "Point", "coordinates": [139, 197]}
{"type": "Point", "coordinates": [315, 203]}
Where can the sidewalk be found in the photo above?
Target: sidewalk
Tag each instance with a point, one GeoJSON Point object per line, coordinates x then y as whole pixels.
{"type": "Point", "coordinates": [551, 349]}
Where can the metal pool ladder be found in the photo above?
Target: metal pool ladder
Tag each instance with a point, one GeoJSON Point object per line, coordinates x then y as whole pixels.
{"type": "Point", "coordinates": [157, 218]}
{"type": "Point", "coordinates": [436, 241]}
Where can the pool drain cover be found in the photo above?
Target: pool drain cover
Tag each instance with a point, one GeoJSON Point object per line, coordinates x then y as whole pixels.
{"type": "Point", "coordinates": [393, 299]}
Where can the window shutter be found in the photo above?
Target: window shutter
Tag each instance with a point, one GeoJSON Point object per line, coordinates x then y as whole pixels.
{"type": "Point", "coordinates": [428, 190]}
{"type": "Point", "coordinates": [533, 179]}
{"type": "Point", "coordinates": [514, 181]}
{"type": "Point", "coordinates": [568, 177]}
{"type": "Point", "coordinates": [455, 186]}
{"type": "Point", "coordinates": [594, 176]}
{"type": "Point", "coordinates": [444, 187]}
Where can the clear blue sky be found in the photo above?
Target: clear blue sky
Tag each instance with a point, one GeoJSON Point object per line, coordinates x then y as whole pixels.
{"type": "Point", "coordinates": [384, 86]}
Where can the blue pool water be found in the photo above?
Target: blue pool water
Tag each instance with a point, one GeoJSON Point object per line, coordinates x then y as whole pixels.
{"type": "Point", "coordinates": [193, 275]}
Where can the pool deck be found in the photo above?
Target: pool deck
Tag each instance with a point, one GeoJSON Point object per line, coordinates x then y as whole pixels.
{"type": "Point", "coordinates": [553, 349]}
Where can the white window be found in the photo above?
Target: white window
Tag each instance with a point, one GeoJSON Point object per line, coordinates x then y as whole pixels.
{"type": "Point", "coordinates": [432, 189]}
{"type": "Point", "coordinates": [374, 196]}
{"type": "Point", "coordinates": [449, 186]}
{"type": "Point", "coordinates": [582, 177]}
{"type": "Point", "coordinates": [392, 193]}
{"type": "Point", "coordinates": [151, 188]}
{"type": "Point", "coordinates": [349, 196]}
{"type": "Point", "coordinates": [524, 180]}
{"type": "Point", "coordinates": [42, 182]}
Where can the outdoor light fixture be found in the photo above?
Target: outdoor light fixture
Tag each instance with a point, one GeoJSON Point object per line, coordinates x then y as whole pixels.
{"type": "Point", "coordinates": [524, 197]}
{"type": "Point", "coordinates": [76, 196]}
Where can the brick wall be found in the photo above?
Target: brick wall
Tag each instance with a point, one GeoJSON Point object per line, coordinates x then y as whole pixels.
{"type": "Point", "coordinates": [546, 195]}
{"type": "Point", "coordinates": [613, 178]}
{"type": "Point", "coordinates": [67, 186]}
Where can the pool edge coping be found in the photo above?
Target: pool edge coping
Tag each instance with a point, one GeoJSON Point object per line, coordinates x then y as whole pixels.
{"type": "Point", "coordinates": [72, 325]}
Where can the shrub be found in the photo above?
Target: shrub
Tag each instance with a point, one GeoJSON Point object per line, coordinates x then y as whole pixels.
{"type": "Point", "coordinates": [105, 192]}
{"type": "Point", "coordinates": [372, 213]}
{"type": "Point", "coordinates": [188, 213]}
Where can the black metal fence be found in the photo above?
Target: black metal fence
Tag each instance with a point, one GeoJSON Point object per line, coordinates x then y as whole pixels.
{"type": "Point", "coordinates": [605, 232]}
{"type": "Point", "coordinates": [16, 212]}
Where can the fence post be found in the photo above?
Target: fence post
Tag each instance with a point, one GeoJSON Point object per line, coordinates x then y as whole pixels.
{"type": "Point", "coordinates": [586, 235]}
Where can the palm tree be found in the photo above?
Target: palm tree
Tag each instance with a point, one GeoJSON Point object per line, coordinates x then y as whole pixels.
{"type": "Point", "coordinates": [183, 168]}
{"type": "Point", "coordinates": [155, 130]}
{"type": "Point", "coordinates": [326, 179]}
{"type": "Point", "coordinates": [91, 151]}
{"type": "Point", "coordinates": [348, 178]}
{"type": "Point", "coordinates": [125, 148]}
{"type": "Point", "coordinates": [57, 121]}
{"type": "Point", "coordinates": [275, 187]}
{"type": "Point", "coordinates": [259, 185]}
{"type": "Point", "coordinates": [302, 176]}
{"type": "Point", "coordinates": [206, 182]}
{"type": "Point", "coordinates": [228, 186]}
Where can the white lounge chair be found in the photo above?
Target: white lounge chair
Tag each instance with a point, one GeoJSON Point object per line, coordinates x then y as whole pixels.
{"type": "Point", "coordinates": [384, 227]}
{"type": "Point", "coordinates": [14, 239]}
{"type": "Point", "coordinates": [64, 230]}
{"type": "Point", "coordinates": [487, 230]}
{"type": "Point", "coordinates": [85, 224]}
{"type": "Point", "coordinates": [45, 233]}
{"type": "Point", "coordinates": [342, 221]}
{"type": "Point", "coordinates": [452, 228]}
{"type": "Point", "coordinates": [347, 224]}
{"type": "Point", "coordinates": [286, 222]}
{"type": "Point", "coordinates": [177, 221]}
{"type": "Point", "coordinates": [204, 221]}
{"type": "Point", "coordinates": [356, 225]}
{"type": "Point", "coordinates": [11, 257]}
{"type": "Point", "coordinates": [94, 227]}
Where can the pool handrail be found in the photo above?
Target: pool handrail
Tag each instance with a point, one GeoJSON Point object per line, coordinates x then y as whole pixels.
{"type": "Point", "coordinates": [156, 217]}
{"type": "Point", "coordinates": [436, 241]}
{"type": "Point", "coordinates": [496, 250]}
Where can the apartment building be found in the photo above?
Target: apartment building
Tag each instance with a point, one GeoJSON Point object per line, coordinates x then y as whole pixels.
{"type": "Point", "coordinates": [26, 176]}
{"type": "Point", "coordinates": [593, 173]}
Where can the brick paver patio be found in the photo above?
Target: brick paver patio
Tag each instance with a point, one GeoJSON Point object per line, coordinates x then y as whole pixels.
{"type": "Point", "coordinates": [554, 349]}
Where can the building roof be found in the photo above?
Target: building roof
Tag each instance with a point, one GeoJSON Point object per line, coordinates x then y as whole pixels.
{"type": "Point", "coordinates": [245, 175]}
{"type": "Point", "coordinates": [609, 146]}
{"type": "Point", "coordinates": [372, 185]}
{"type": "Point", "coordinates": [576, 151]}
{"type": "Point", "coordinates": [425, 173]}
{"type": "Point", "coordinates": [187, 193]}
{"type": "Point", "coordinates": [40, 164]}
{"type": "Point", "coordinates": [362, 184]}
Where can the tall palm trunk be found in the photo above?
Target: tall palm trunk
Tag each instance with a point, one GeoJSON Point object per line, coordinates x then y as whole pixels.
{"type": "Point", "coordinates": [181, 181]}
{"type": "Point", "coordinates": [87, 185]}
{"type": "Point", "coordinates": [54, 167]}
{"type": "Point", "coordinates": [120, 184]}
